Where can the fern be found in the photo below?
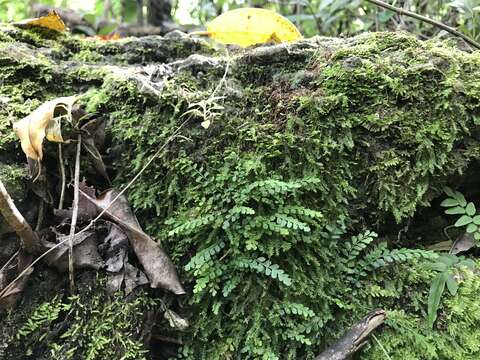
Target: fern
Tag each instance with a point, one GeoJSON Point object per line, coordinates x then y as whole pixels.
{"type": "Point", "coordinates": [357, 266]}
{"type": "Point", "coordinates": [265, 267]}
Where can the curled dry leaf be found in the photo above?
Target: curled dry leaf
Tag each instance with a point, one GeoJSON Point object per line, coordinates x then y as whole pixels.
{"type": "Point", "coordinates": [51, 21]}
{"type": "Point", "coordinates": [175, 320]}
{"type": "Point", "coordinates": [159, 268]}
{"type": "Point", "coordinates": [463, 243]}
{"type": "Point", "coordinates": [41, 123]}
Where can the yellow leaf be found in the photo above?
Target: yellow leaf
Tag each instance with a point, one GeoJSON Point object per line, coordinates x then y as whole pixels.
{"type": "Point", "coordinates": [51, 21]}
{"type": "Point", "coordinates": [250, 26]}
{"type": "Point", "coordinates": [32, 129]}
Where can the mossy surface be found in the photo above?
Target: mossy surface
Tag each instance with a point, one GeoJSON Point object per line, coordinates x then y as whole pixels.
{"type": "Point", "coordinates": [96, 326]}
{"type": "Point", "coordinates": [305, 148]}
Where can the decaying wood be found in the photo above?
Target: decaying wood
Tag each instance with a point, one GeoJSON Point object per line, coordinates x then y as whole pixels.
{"type": "Point", "coordinates": [30, 240]}
{"type": "Point", "coordinates": [355, 338]}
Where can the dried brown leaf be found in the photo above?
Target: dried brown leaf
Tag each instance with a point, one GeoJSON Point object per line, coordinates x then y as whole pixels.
{"type": "Point", "coordinates": [463, 243]}
{"type": "Point", "coordinates": [159, 268]}
{"type": "Point", "coordinates": [51, 21]}
{"type": "Point", "coordinates": [33, 129]}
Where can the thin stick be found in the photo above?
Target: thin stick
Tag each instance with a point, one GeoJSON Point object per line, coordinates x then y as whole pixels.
{"type": "Point", "coordinates": [73, 224]}
{"type": "Point", "coordinates": [9, 261]}
{"type": "Point", "coordinates": [30, 240]}
{"type": "Point", "coordinates": [62, 175]}
{"type": "Point", "coordinates": [381, 347]}
{"type": "Point", "coordinates": [438, 24]}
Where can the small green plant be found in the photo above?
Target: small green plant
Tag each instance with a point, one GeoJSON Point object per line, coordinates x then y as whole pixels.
{"type": "Point", "coordinates": [359, 261]}
{"type": "Point", "coordinates": [448, 273]}
{"type": "Point", "coordinates": [469, 218]}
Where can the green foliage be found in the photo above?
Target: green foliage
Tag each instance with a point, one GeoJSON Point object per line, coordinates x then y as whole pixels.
{"type": "Point", "coordinates": [448, 274]}
{"type": "Point", "coordinates": [380, 256]}
{"type": "Point", "coordinates": [12, 177]}
{"type": "Point", "coordinates": [469, 218]}
{"type": "Point", "coordinates": [456, 336]}
{"type": "Point", "coordinates": [258, 210]}
{"type": "Point", "coordinates": [90, 326]}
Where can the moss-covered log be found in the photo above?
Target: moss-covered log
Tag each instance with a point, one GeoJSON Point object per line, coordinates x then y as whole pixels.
{"type": "Point", "coordinates": [284, 154]}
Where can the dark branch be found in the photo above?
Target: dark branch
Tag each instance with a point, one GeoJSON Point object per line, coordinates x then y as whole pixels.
{"type": "Point", "coordinates": [427, 20]}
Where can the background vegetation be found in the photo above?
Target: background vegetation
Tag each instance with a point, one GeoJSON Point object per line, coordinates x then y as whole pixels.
{"type": "Point", "coordinates": [315, 17]}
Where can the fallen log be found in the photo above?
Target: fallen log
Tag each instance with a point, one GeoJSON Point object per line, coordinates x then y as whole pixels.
{"type": "Point", "coordinates": [280, 144]}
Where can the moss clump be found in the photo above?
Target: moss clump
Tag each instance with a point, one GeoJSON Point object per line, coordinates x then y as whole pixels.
{"type": "Point", "coordinates": [90, 325]}
{"type": "Point", "coordinates": [250, 207]}
{"type": "Point", "coordinates": [456, 337]}
{"type": "Point", "coordinates": [12, 177]}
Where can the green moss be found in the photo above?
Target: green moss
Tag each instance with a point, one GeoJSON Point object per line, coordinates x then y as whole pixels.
{"type": "Point", "coordinates": [369, 134]}
{"type": "Point", "coordinates": [12, 177]}
{"type": "Point", "coordinates": [302, 151]}
{"type": "Point", "coordinates": [89, 325]}
{"type": "Point", "coordinates": [456, 336]}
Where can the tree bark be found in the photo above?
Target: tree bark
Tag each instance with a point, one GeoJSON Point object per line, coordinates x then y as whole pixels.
{"type": "Point", "coordinates": [159, 12]}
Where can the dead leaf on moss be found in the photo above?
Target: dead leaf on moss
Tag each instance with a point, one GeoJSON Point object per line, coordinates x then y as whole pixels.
{"type": "Point", "coordinates": [159, 268]}
{"type": "Point", "coordinates": [463, 243]}
{"type": "Point", "coordinates": [51, 21]}
{"type": "Point", "coordinates": [175, 320]}
{"type": "Point", "coordinates": [109, 37]}
{"type": "Point", "coordinates": [41, 123]}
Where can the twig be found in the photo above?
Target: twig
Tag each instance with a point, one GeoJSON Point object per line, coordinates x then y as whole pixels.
{"type": "Point", "coordinates": [9, 261]}
{"type": "Point", "coordinates": [73, 223]}
{"type": "Point", "coordinates": [438, 24]}
{"type": "Point", "coordinates": [62, 175]}
{"type": "Point", "coordinates": [30, 240]}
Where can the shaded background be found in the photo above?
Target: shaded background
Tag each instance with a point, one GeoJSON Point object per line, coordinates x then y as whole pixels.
{"type": "Point", "coordinates": [316, 17]}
